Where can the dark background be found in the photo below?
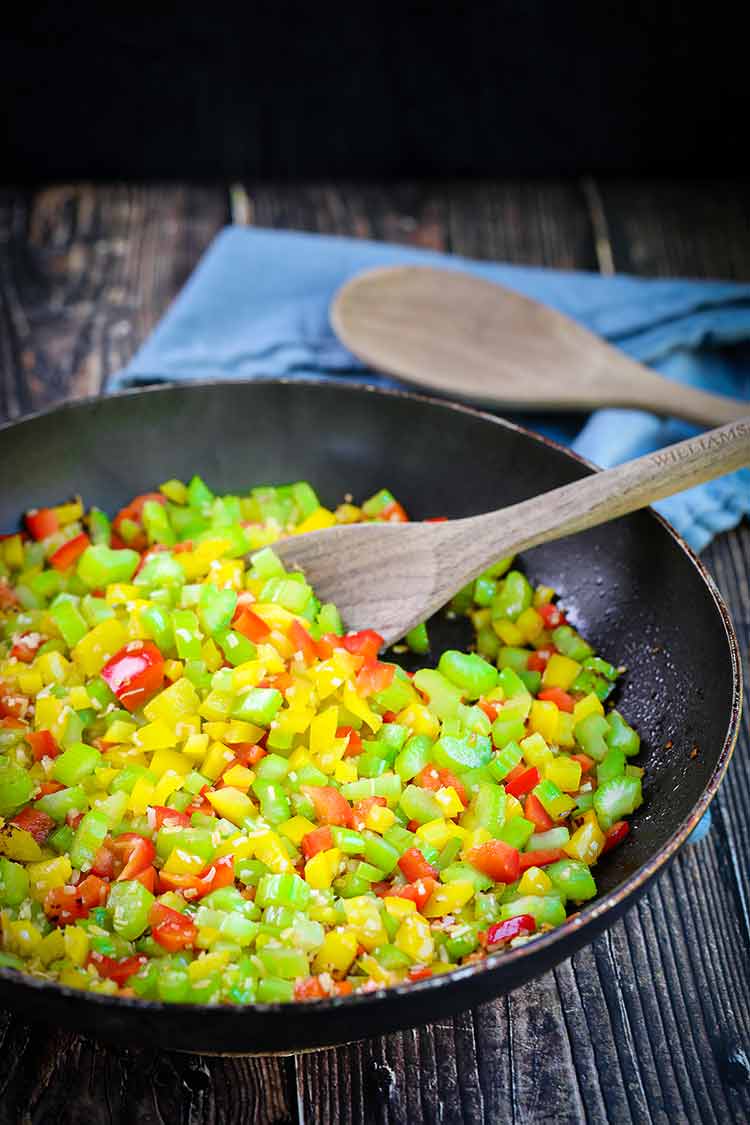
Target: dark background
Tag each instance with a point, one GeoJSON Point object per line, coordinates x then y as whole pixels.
{"type": "Point", "coordinates": [416, 89]}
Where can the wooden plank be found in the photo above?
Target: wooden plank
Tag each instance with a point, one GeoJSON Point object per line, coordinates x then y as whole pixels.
{"type": "Point", "coordinates": [85, 274]}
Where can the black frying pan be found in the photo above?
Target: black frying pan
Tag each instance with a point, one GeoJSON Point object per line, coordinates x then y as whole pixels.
{"type": "Point", "coordinates": [632, 587]}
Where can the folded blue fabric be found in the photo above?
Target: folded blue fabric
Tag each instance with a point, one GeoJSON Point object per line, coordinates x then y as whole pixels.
{"type": "Point", "coordinates": [257, 305]}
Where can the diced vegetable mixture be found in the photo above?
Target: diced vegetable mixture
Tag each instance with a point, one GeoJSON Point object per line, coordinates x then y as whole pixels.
{"type": "Point", "coordinates": [209, 792]}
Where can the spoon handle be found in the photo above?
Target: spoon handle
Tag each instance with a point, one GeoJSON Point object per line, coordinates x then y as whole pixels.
{"type": "Point", "coordinates": [603, 496]}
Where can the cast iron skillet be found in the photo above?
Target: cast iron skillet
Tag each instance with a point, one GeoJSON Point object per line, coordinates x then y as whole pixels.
{"type": "Point", "coordinates": [632, 587]}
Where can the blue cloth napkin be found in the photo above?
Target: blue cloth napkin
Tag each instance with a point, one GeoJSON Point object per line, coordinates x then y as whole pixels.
{"type": "Point", "coordinates": [257, 305]}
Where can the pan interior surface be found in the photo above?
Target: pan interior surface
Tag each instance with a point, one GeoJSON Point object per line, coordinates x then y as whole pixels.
{"type": "Point", "coordinates": [630, 587]}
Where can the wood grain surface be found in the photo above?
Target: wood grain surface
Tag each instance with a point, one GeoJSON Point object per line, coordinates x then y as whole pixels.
{"type": "Point", "coordinates": [649, 1024]}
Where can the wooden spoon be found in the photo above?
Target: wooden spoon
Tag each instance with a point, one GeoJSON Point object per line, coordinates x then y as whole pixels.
{"type": "Point", "coordinates": [469, 338]}
{"type": "Point", "coordinates": [389, 577]}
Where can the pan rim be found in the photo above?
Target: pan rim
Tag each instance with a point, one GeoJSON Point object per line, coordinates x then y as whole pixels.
{"type": "Point", "coordinates": [589, 915]}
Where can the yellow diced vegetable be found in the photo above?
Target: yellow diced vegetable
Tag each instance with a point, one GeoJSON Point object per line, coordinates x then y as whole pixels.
{"type": "Point", "coordinates": [589, 705]}
{"type": "Point", "coordinates": [322, 869]}
{"type": "Point", "coordinates": [560, 672]}
{"type": "Point", "coordinates": [337, 952]}
{"type": "Point", "coordinates": [414, 938]}
{"type": "Point", "coordinates": [534, 882]}
{"type": "Point", "coordinates": [231, 803]}
{"type": "Point", "coordinates": [448, 898]}
{"type": "Point", "coordinates": [564, 773]}
{"type": "Point", "coordinates": [543, 719]}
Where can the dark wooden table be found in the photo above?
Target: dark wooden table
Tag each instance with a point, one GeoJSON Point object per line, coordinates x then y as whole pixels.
{"type": "Point", "coordinates": [652, 1022]}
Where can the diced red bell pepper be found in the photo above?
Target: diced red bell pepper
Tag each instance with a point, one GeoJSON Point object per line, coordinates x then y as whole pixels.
{"type": "Point", "coordinates": [373, 677]}
{"type": "Point", "coordinates": [436, 519]}
{"type": "Point", "coordinates": [248, 753]}
{"type": "Point", "coordinates": [535, 811]}
{"type": "Point", "coordinates": [584, 761]}
{"type": "Point", "coordinates": [615, 835]}
{"type": "Point", "coordinates": [490, 708]}
{"type": "Point", "coordinates": [43, 745]}
{"type": "Point", "coordinates": [105, 863]}
{"type": "Point", "coordinates": [319, 840]}
{"type": "Point", "coordinates": [170, 929]}
{"type": "Point", "coordinates": [524, 783]}
{"type": "Point", "coordinates": [393, 513]}
{"type": "Point", "coordinates": [133, 512]}
{"type": "Point", "coordinates": [309, 988]}
{"type": "Point", "coordinates": [218, 874]}
{"type": "Point", "coordinates": [541, 857]}
{"type": "Point", "coordinates": [440, 777]}
{"type": "Point", "coordinates": [362, 808]}
{"type": "Point", "coordinates": [8, 596]}
{"type": "Point", "coordinates": [48, 787]}
{"type": "Point", "coordinates": [303, 642]}
{"type": "Point", "coordinates": [35, 822]}
{"type": "Point", "coordinates": [159, 815]}
{"type": "Point", "coordinates": [551, 615]}
{"type": "Point", "coordinates": [366, 643]}
{"type": "Point", "coordinates": [66, 904]}
{"type": "Point", "coordinates": [26, 646]}
{"type": "Point", "coordinates": [330, 806]}
{"type": "Point", "coordinates": [117, 970]}
{"type": "Point", "coordinates": [560, 698]}
{"type": "Point", "coordinates": [417, 892]}
{"type": "Point", "coordinates": [497, 859]}
{"type": "Point", "coordinates": [414, 866]}
{"type": "Point", "coordinates": [423, 973]}
{"type": "Point", "coordinates": [135, 673]}
{"type": "Point", "coordinates": [510, 928]}
{"type": "Point", "coordinates": [249, 624]}
{"type": "Point", "coordinates": [135, 852]}
{"type": "Point", "coordinates": [147, 878]}
{"type": "Point", "coordinates": [13, 705]}
{"type": "Point", "coordinates": [66, 555]}
{"type": "Point", "coordinates": [42, 522]}
{"type": "Point", "coordinates": [537, 661]}
{"type": "Point", "coordinates": [354, 742]}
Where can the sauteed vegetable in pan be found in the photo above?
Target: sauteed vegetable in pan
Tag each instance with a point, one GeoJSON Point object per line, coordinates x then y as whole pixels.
{"type": "Point", "coordinates": [212, 793]}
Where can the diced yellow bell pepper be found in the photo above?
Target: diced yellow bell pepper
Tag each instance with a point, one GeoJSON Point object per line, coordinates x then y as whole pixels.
{"type": "Point", "coordinates": [248, 674]}
{"type": "Point", "coordinates": [227, 574]}
{"type": "Point", "coordinates": [46, 874]}
{"type": "Point", "coordinates": [536, 752]}
{"type": "Point", "coordinates": [94, 649]}
{"type": "Point", "coordinates": [560, 672]}
{"type": "Point", "coordinates": [508, 632]}
{"type": "Point", "coordinates": [565, 731]}
{"type": "Point", "coordinates": [284, 647]}
{"type": "Point", "coordinates": [364, 917]}
{"type": "Point", "coordinates": [197, 563]}
{"type": "Point", "coordinates": [531, 625]}
{"type": "Point", "coordinates": [273, 615]}
{"type": "Point", "coordinates": [211, 655]}
{"type": "Point", "coordinates": [299, 757]}
{"type": "Point", "coordinates": [240, 777]}
{"type": "Point", "coordinates": [419, 719]}
{"type": "Point", "coordinates": [78, 698]}
{"type": "Point", "coordinates": [196, 747]}
{"type": "Point", "coordinates": [52, 947]}
{"type": "Point", "coordinates": [231, 803]}
{"type": "Point", "coordinates": [337, 951]}
{"type": "Point", "coordinates": [449, 801]}
{"type": "Point", "coordinates": [13, 552]}
{"type": "Point", "coordinates": [121, 731]}
{"type": "Point", "coordinates": [322, 869]}
{"type": "Point", "coordinates": [414, 938]}
{"type": "Point", "coordinates": [323, 729]}
{"type": "Point", "coordinates": [55, 669]}
{"type": "Point", "coordinates": [379, 818]}
{"type": "Point", "coordinates": [169, 782]}
{"type": "Point", "coordinates": [76, 943]}
{"type": "Point", "coordinates": [68, 513]}
{"type": "Point", "coordinates": [543, 719]}
{"type": "Point", "coordinates": [270, 850]}
{"type": "Point", "coordinates": [296, 828]}
{"type": "Point", "coordinates": [18, 844]}
{"type": "Point", "coordinates": [187, 725]}
{"type": "Point", "coordinates": [513, 807]}
{"type": "Point", "coordinates": [534, 881]}
{"type": "Point", "coordinates": [29, 681]}
{"type": "Point", "coordinates": [564, 773]}
{"type": "Point", "coordinates": [51, 714]}
{"type": "Point", "coordinates": [359, 708]}
{"type": "Point", "coordinates": [183, 862]}
{"type": "Point", "coordinates": [345, 771]}
{"type": "Point", "coordinates": [474, 838]}
{"type": "Point", "coordinates": [207, 965]}
{"type": "Point", "coordinates": [448, 898]}
{"type": "Point", "coordinates": [238, 845]}
{"type": "Point", "coordinates": [173, 669]}
{"type": "Point", "coordinates": [316, 521]}
{"type": "Point", "coordinates": [587, 841]}
{"type": "Point", "coordinates": [179, 699]}
{"type": "Point", "coordinates": [22, 938]}
{"type": "Point", "coordinates": [375, 971]}
{"type": "Point", "coordinates": [301, 695]}
{"type": "Point", "coordinates": [591, 704]}
{"type": "Point", "coordinates": [105, 775]}
{"type": "Point", "coordinates": [175, 491]}
{"type": "Point", "coordinates": [269, 657]}
{"type": "Point", "coordinates": [120, 593]}
{"type": "Point", "coordinates": [436, 832]}
{"type": "Point", "coordinates": [399, 907]}
{"type": "Point", "coordinates": [141, 796]}
{"type": "Point", "coordinates": [154, 736]}
{"type": "Point", "coordinates": [216, 760]}
{"type": "Point", "coordinates": [168, 759]}
{"type": "Point", "coordinates": [543, 595]}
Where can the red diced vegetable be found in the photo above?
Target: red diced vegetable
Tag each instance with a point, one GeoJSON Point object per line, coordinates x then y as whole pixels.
{"type": "Point", "coordinates": [135, 673]}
